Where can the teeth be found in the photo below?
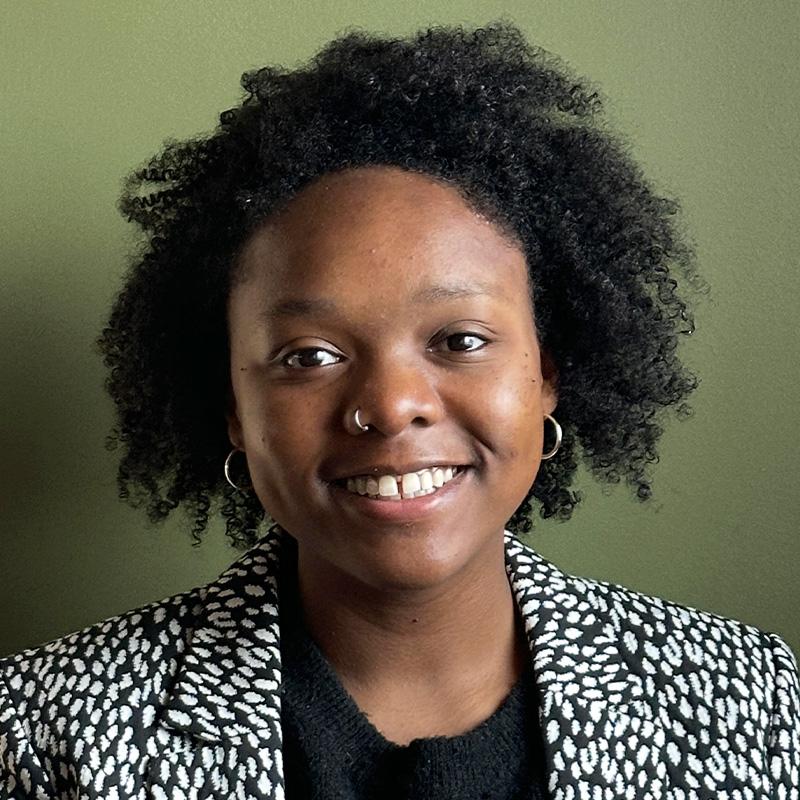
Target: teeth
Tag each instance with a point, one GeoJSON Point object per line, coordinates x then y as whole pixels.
{"type": "Point", "coordinates": [396, 487]}
{"type": "Point", "coordinates": [411, 483]}
{"type": "Point", "coordinates": [387, 485]}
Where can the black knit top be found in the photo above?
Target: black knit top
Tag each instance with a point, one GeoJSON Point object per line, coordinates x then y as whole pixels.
{"type": "Point", "coordinates": [332, 751]}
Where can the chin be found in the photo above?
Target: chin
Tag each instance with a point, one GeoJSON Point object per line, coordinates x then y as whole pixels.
{"type": "Point", "coordinates": [415, 564]}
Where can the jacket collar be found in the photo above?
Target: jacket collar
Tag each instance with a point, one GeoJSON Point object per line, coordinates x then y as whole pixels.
{"type": "Point", "coordinates": [574, 631]}
{"type": "Point", "coordinates": [228, 683]}
{"type": "Point", "coordinates": [226, 692]}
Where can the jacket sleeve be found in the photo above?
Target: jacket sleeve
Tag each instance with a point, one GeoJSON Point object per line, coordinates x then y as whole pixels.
{"type": "Point", "coordinates": [784, 741]}
{"type": "Point", "coordinates": [21, 774]}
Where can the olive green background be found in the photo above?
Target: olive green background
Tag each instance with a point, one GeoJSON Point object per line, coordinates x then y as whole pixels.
{"type": "Point", "coordinates": [707, 94]}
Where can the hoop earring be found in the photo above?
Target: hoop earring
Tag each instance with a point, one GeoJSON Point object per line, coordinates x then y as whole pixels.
{"type": "Point", "coordinates": [227, 471]}
{"type": "Point", "coordinates": [547, 456]}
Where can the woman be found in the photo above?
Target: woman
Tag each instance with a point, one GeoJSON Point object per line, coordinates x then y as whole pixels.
{"type": "Point", "coordinates": [385, 303]}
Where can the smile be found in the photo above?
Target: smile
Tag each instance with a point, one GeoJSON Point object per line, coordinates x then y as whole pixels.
{"type": "Point", "coordinates": [402, 487]}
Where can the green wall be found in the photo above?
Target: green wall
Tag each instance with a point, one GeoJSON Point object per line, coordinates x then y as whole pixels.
{"type": "Point", "coordinates": [707, 92]}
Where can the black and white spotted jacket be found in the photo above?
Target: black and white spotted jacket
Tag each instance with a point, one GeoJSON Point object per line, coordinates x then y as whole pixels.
{"type": "Point", "coordinates": [640, 698]}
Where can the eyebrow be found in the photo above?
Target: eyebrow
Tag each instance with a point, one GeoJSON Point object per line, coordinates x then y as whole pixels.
{"type": "Point", "coordinates": [319, 306]}
{"type": "Point", "coordinates": [300, 308]}
{"type": "Point", "coordinates": [456, 291]}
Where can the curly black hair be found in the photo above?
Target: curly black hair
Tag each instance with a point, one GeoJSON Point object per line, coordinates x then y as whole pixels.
{"type": "Point", "coordinates": [524, 141]}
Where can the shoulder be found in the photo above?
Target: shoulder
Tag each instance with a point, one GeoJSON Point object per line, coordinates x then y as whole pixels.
{"type": "Point", "coordinates": [89, 707]}
{"type": "Point", "coordinates": [679, 635]}
{"type": "Point", "coordinates": [122, 662]}
{"type": "Point", "coordinates": [689, 645]}
{"type": "Point", "coordinates": [712, 676]}
{"type": "Point", "coordinates": [670, 642]}
{"type": "Point", "coordinates": [120, 643]}
{"type": "Point", "coordinates": [701, 695]}
{"type": "Point", "coordinates": [74, 692]}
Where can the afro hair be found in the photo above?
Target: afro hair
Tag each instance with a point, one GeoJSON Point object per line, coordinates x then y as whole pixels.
{"type": "Point", "coordinates": [522, 139]}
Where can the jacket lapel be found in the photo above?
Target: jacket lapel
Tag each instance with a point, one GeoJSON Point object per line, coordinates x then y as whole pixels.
{"type": "Point", "coordinates": [601, 733]}
{"type": "Point", "coordinates": [218, 734]}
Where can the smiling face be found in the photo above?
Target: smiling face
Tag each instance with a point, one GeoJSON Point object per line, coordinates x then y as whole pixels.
{"type": "Point", "coordinates": [381, 290]}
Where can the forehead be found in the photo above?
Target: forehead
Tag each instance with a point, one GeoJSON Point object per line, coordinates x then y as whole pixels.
{"type": "Point", "coordinates": [384, 228]}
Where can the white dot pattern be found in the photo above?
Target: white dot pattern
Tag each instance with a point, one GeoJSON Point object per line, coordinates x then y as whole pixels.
{"type": "Point", "coordinates": [640, 698]}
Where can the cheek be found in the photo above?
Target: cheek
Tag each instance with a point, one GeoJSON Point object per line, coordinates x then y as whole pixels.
{"type": "Point", "coordinates": [513, 414]}
{"type": "Point", "coordinates": [511, 430]}
{"type": "Point", "coordinates": [281, 444]}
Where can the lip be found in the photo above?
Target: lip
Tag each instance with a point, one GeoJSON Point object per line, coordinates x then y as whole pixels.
{"type": "Point", "coordinates": [403, 510]}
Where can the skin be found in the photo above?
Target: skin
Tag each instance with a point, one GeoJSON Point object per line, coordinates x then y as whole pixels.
{"type": "Point", "coordinates": [381, 289]}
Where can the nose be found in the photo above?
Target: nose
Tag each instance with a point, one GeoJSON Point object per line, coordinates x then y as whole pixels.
{"type": "Point", "coordinates": [393, 397]}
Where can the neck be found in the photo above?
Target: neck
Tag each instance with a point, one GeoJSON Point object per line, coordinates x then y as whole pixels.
{"type": "Point", "coordinates": [455, 644]}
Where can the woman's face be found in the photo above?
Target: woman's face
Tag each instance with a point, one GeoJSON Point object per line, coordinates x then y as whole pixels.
{"type": "Point", "coordinates": [381, 290]}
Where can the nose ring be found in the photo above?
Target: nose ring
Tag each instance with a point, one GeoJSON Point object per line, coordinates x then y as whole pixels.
{"type": "Point", "coordinates": [361, 428]}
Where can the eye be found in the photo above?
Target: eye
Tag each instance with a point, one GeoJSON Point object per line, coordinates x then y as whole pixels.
{"type": "Point", "coordinates": [309, 357]}
{"type": "Point", "coordinates": [463, 342]}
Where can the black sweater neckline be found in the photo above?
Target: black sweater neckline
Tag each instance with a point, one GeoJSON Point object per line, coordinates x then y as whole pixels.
{"type": "Point", "coordinates": [328, 735]}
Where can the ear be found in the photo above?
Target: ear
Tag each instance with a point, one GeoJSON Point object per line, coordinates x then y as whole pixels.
{"type": "Point", "coordinates": [234, 423]}
{"type": "Point", "coordinates": [549, 382]}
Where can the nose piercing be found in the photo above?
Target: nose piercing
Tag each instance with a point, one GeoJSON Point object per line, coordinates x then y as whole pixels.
{"type": "Point", "coordinates": [361, 428]}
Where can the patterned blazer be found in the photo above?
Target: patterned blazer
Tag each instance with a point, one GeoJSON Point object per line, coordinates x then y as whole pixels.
{"type": "Point", "coordinates": [641, 698]}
